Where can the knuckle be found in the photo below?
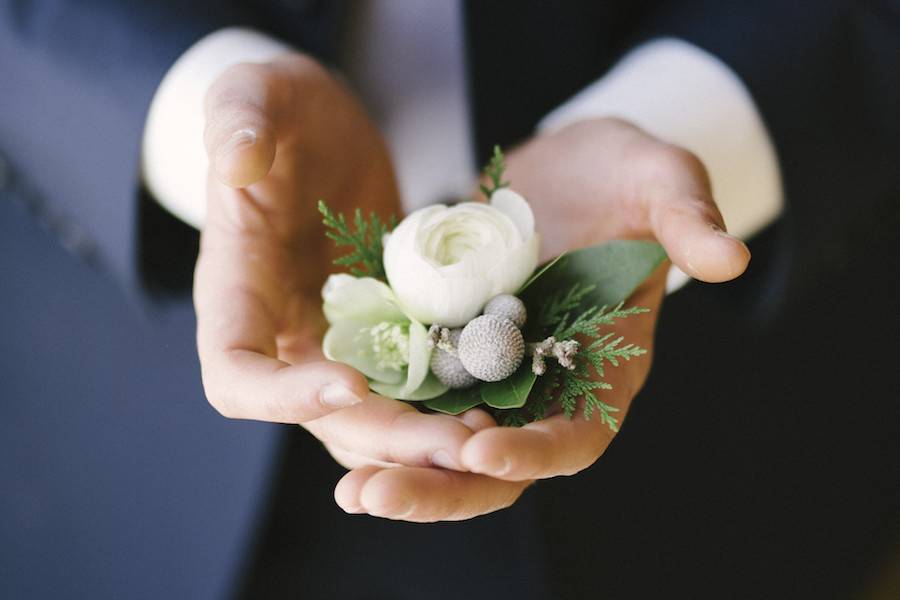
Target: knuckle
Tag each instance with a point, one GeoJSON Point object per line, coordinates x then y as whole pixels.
{"type": "Point", "coordinates": [394, 450]}
{"type": "Point", "coordinates": [283, 407]}
{"type": "Point", "coordinates": [215, 392]}
{"type": "Point", "coordinates": [220, 402]}
{"type": "Point", "coordinates": [681, 156]}
{"type": "Point", "coordinates": [663, 160]}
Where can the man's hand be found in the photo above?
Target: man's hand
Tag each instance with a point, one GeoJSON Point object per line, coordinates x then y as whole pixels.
{"type": "Point", "coordinates": [591, 182]}
{"type": "Point", "coordinates": [280, 136]}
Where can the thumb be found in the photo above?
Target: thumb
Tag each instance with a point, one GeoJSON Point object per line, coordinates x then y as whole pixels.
{"type": "Point", "coordinates": [240, 136]}
{"type": "Point", "coordinates": [684, 218]}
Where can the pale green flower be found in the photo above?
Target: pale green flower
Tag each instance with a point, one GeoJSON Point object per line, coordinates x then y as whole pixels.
{"type": "Point", "coordinates": [371, 333]}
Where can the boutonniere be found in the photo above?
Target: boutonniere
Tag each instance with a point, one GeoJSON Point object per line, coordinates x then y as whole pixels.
{"type": "Point", "coordinates": [449, 309]}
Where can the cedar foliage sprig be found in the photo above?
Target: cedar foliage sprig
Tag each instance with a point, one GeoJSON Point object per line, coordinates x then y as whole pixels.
{"type": "Point", "coordinates": [494, 171]}
{"type": "Point", "coordinates": [366, 257]}
{"type": "Point", "coordinates": [559, 318]}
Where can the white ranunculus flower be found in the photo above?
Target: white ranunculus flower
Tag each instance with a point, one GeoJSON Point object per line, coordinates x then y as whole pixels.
{"type": "Point", "coordinates": [371, 333]}
{"type": "Point", "coordinates": [444, 263]}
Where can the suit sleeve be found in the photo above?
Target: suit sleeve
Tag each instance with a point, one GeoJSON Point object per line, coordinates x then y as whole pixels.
{"type": "Point", "coordinates": [826, 82]}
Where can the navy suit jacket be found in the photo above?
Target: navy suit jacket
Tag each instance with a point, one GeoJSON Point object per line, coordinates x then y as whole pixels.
{"type": "Point", "coordinates": [774, 467]}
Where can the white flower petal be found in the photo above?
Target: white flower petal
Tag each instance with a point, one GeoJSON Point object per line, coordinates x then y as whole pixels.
{"type": "Point", "coordinates": [515, 268]}
{"type": "Point", "coordinates": [444, 263]}
{"type": "Point", "coordinates": [516, 208]}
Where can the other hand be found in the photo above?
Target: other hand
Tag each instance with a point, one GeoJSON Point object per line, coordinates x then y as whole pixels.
{"type": "Point", "coordinates": [589, 183]}
{"type": "Point", "coordinates": [280, 136]}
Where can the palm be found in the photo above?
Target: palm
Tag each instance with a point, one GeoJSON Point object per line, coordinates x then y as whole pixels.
{"type": "Point", "coordinates": [300, 137]}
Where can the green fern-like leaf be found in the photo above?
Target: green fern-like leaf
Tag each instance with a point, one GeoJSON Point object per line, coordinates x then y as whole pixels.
{"type": "Point", "coordinates": [365, 257]}
{"type": "Point", "coordinates": [556, 310]}
{"type": "Point", "coordinates": [559, 317]}
{"type": "Point", "coordinates": [494, 171]}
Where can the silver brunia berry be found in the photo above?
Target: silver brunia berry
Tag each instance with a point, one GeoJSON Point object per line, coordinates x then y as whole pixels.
{"type": "Point", "coordinates": [491, 348]}
{"type": "Point", "coordinates": [507, 306]}
{"type": "Point", "coordinates": [448, 368]}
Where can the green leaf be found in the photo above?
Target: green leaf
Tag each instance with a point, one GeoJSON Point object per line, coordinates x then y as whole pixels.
{"type": "Point", "coordinates": [540, 271]}
{"type": "Point", "coordinates": [513, 391]}
{"type": "Point", "coordinates": [614, 270]}
{"type": "Point", "coordinates": [455, 402]}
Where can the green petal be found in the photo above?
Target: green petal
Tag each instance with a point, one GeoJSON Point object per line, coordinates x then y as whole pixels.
{"type": "Point", "coordinates": [363, 300]}
{"type": "Point", "coordinates": [419, 357]}
{"type": "Point", "coordinates": [430, 388]}
{"type": "Point", "coordinates": [341, 343]}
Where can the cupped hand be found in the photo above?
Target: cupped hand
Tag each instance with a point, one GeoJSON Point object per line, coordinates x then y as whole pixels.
{"type": "Point", "coordinates": [589, 183]}
{"type": "Point", "coordinates": [279, 137]}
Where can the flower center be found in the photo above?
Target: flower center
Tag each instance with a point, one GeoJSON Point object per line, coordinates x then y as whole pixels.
{"type": "Point", "coordinates": [390, 344]}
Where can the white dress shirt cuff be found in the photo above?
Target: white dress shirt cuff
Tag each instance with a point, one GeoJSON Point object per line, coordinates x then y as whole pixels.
{"type": "Point", "coordinates": [688, 97]}
{"type": "Point", "coordinates": [174, 161]}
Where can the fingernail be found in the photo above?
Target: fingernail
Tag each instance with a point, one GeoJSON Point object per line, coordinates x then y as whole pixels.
{"type": "Point", "coordinates": [242, 138]}
{"type": "Point", "coordinates": [404, 509]}
{"type": "Point", "coordinates": [442, 459]}
{"type": "Point", "coordinates": [336, 395]}
{"type": "Point", "coordinates": [496, 469]}
{"type": "Point", "coordinates": [722, 233]}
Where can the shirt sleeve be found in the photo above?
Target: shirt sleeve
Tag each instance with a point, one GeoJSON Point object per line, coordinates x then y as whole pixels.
{"type": "Point", "coordinates": [688, 97]}
{"type": "Point", "coordinates": [173, 162]}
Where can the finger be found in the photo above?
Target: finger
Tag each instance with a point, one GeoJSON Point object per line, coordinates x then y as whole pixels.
{"type": "Point", "coordinates": [555, 446]}
{"type": "Point", "coordinates": [241, 375]}
{"type": "Point", "coordinates": [350, 460]}
{"type": "Point", "coordinates": [346, 492]}
{"type": "Point", "coordinates": [424, 495]}
{"type": "Point", "coordinates": [684, 218]}
{"type": "Point", "coordinates": [390, 431]}
{"type": "Point", "coordinates": [477, 419]}
{"type": "Point", "coordinates": [559, 445]}
{"type": "Point", "coordinates": [242, 109]}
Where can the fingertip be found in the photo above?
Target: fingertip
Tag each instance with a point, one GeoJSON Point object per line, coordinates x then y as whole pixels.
{"type": "Point", "coordinates": [348, 488]}
{"type": "Point", "coordinates": [477, 419]}
{"type": "Point", "coordinates": [382, 496]}
{"type": "Point", "coordinates": [349, 377]}
{"type": "Point", "coordinates": [716, 257]}
{"type": "Point", "coordinates": [244, 157]}
{"type": "Point", "coordinates": [485, 453]}
{"type": "Point", "coordinates": [309, 391]}
{"type": "Point", "coordinates": [737, 257]}
{"type": "Point", "coordinates": [332, 371]}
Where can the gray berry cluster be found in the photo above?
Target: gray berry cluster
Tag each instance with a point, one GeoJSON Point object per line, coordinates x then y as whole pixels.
{"type": "Point", "coordinates": [488, 348]}
{"type": "Point", "coordinates": [447, 367]}
{"type": "Point", "coordinates": [491, 348]}
{"type": "Point", "coordinates": [509, 307]}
